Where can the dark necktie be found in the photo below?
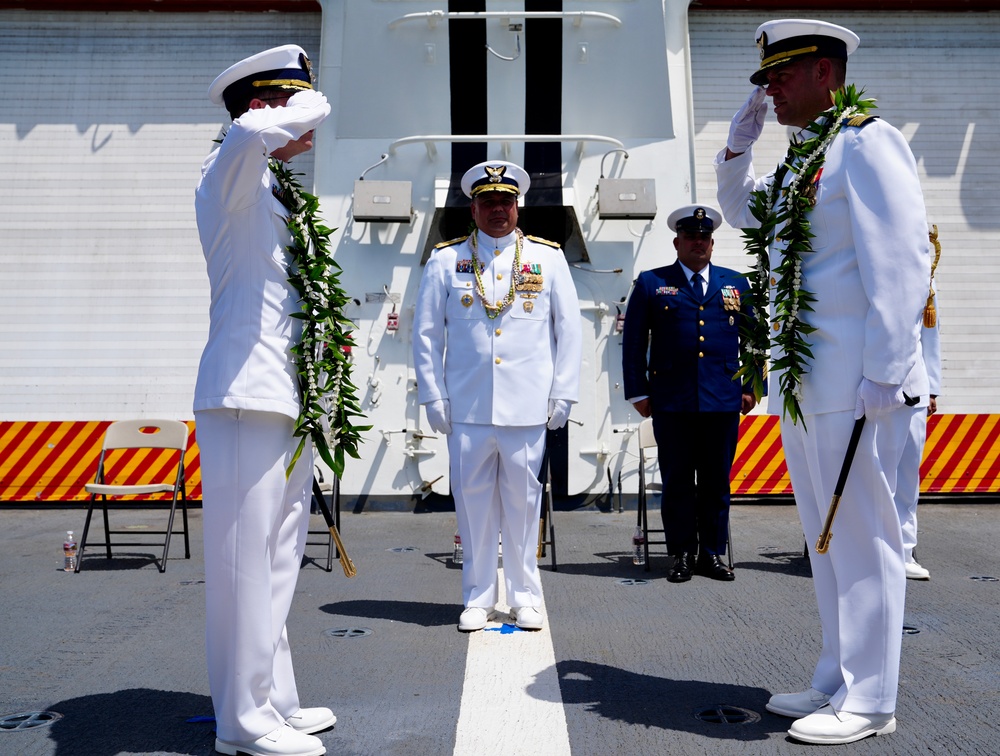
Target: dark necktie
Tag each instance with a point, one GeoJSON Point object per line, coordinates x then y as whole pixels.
{"type": "Point", "coordinates": [699, 291]}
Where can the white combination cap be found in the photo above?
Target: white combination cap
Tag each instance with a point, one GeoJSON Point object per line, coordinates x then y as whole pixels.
{"type": "Point", "coordinates": [285, 67]}
{"type": "Point", "coordinates": [495, 176]}
{"type": "Point", "coordinates": [788, 39]}
{"type": "Point", "coordinates": [697, 218]}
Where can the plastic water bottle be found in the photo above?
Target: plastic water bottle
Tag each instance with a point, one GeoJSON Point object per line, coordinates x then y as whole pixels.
{"type": "Point", "coordinates": [638, 547]}
{"type": "Point", "coordinates": [69, 552]}
{"type": "Point", "coordinates": [458, 555]}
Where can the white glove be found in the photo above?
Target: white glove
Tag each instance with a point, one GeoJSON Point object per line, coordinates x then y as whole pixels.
{"type": "Point", "coordinates": [308, 98]}
{"type": "Point", "coordinates": [876, 399]}
{"type": "Point", "coordinates": [558, 413]}
{"type": "Point", "coordinates": [748, 122]}
{"type": "Point", "coordinates": [439, 415]}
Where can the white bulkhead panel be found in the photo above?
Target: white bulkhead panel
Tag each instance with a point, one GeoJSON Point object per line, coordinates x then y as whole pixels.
{"type": "Point", "coordinates": [106, 297]}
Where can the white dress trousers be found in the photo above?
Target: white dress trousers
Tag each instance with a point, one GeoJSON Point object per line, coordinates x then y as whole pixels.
{"type": "Point", "coordinates": [908, 488]}
{"type": "Point", "coordinates": [908, 484]}
{"type": "Point", "coordinates": [860, 582]}
{"type": "Point", "coordinates": [498, 467]}
{"type": "Point", "coordinates": [255, 529]}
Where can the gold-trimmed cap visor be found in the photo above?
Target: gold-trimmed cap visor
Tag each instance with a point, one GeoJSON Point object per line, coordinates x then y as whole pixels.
{"type": "Point", "coordinates": [485, 186]}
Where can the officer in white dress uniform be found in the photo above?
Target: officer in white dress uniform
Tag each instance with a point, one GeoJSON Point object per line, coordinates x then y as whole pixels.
{"type": "Point", "coordinates": [908, 483]}
{"type": "Point", "coordinates": [246, 402]}
{"type": "Point", "coordinates": [496, 350]}
{"type": "Point", "coordinates": [868, 269]}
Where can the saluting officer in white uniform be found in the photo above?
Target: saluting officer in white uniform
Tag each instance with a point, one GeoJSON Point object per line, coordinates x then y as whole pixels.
{"type": "Point", "coordinates": [246, 403]}
{"type": "Point", "coordinates": [496, 350]}
{"type": "Point", "coordinates": [868, 269]}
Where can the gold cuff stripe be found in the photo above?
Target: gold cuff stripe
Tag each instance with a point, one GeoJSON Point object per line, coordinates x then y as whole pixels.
{"type": "Point", "coordinates": [283, 83]}
{"type": "Point", "coordinates": [788, 54]}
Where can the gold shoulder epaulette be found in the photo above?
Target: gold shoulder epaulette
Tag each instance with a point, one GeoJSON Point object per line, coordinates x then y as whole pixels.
{"type": "Point", "coordinates": [542, 241]}
{"type": "Point", "coordinates": [450, 242]}
{"type": "Point", "coordinates": [861, 120]}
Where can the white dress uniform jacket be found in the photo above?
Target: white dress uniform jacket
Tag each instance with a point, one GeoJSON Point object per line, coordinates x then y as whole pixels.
{"type": "Point", "coordinates": [501, 371]}
{"type": "Point", "coordinates": [246, 363]}
{"type": "Point", "coordinates": [869, 270]}
{"type": "Point", "coordinates": [869, 261]}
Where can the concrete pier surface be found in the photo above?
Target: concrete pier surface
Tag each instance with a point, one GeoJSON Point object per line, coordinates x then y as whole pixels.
{"type": "Point", "coordinates": [111, 661]}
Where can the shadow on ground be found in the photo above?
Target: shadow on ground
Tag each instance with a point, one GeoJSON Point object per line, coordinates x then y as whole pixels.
{"type": "Point", "coordinates": [139, 720]}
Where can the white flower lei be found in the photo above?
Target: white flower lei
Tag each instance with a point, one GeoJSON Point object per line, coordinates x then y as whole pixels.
{"type": "Point", "coordinates": [328, 398]}
{"type": "Point", "coordinates": [772, 207]}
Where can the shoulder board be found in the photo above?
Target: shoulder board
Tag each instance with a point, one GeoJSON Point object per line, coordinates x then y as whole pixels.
{"type": "Point", "coordinates": [859, 121]}
{"type": "Point", "coordinates": [542, 241]}
{"type": "Point", "coordinates": [451, 242]}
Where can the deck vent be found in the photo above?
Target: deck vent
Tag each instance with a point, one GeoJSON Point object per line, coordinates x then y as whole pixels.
{"type": "Point", "coordinates": [727, 715]}
{"type": "Point", "coordinates": [29, 720]}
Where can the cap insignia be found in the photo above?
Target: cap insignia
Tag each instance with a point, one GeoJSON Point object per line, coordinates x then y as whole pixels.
{"type": "Point", "coordinates": [306, 66]}
{"type": "Point", "coordinates": [496, 174]}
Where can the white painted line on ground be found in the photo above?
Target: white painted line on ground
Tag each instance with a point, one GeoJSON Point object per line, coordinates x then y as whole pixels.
{"type": "Point", "coordinates": [511, 701]}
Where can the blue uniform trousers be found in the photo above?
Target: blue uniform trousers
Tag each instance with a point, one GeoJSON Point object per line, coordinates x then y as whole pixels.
{"type": "Point", "coordinates": [696, 452]}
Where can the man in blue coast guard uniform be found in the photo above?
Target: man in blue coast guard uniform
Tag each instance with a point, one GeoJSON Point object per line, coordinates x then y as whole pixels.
{"type": "Point", "coordinates": [865, 261]}
{"type": "Point", "coordinates": [246, 402]}
{"type": "Point", "coordinates": [686, 316]}
{"type": "Point", "coordinates": [496, 349]}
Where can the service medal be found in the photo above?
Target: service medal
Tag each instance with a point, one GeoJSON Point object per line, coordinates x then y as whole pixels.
{"type": "Point", "coordinates": [730, 298]}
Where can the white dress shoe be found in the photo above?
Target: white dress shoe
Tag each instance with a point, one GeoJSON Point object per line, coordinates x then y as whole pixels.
{"type": "Point", "coordinates": [829, 727]}
{"type": "Point", "coordinates": [527, 617]}
{"type": "Point", "coordinates": [312, 720]}
{"type": "Point", "coordinates": [915, 572]}
{"type": "Point", "coordinates": [797, 704]}
{"type": "Point", "coordinates": [284, 741]}
{"type": "Point", "coordinates": [473, 618]}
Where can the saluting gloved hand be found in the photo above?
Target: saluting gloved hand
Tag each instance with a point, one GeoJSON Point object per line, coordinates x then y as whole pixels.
{"type": "Point", "coordinates": [748, 122]}
{"type": "Point", "coordinates": [876, 399]}
{"type": "Point", "coordinates": [439, 415]}
{"type": "Point", "coordinates": [309, 98]}
{"type": "Point", "coordinates": [558, 413]}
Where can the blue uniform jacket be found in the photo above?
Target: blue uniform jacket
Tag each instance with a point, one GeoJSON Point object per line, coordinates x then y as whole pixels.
{"type": "Point", "coordinates": [693, 347]}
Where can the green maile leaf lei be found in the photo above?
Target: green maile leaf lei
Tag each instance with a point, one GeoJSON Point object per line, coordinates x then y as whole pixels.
{"type": "Point", "coordinates": [329, 400]}
{"type": "Point", "coordinates": [788, 207]}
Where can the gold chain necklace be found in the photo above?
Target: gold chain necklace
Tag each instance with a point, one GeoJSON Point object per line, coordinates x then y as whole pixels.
{"type": "Point", "coordinates": [493, 310]}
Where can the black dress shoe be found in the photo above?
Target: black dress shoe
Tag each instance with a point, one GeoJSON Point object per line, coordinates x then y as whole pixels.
{"type": "Point", "coordinates": [710, 565]}
{"type": "Point", "coordinates": [680, 571]}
